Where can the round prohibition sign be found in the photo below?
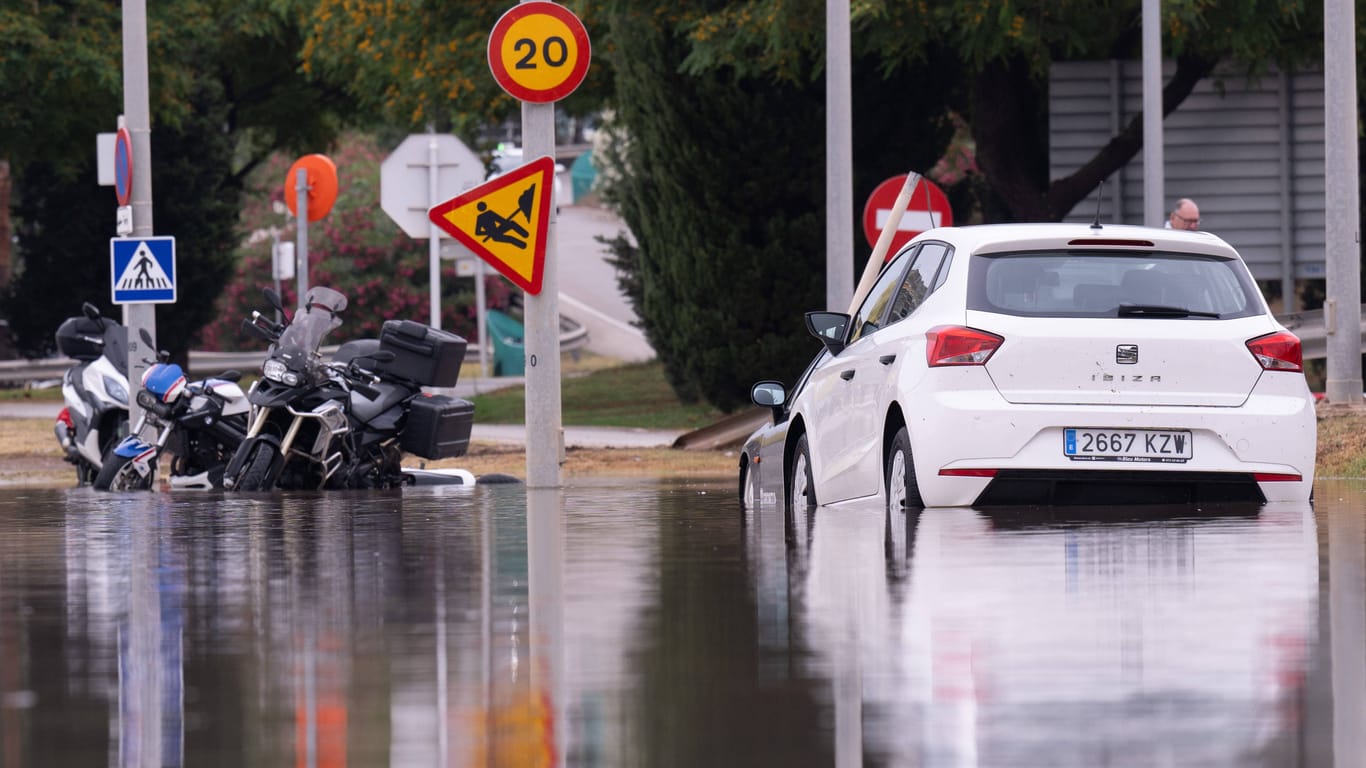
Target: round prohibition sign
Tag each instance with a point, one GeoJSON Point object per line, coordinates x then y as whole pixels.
{"type": "Point", "coordinates": [539, 51]}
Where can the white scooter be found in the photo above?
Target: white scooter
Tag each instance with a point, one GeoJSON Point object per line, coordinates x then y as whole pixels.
{"type": "Point", "coordinates": [95, 390]}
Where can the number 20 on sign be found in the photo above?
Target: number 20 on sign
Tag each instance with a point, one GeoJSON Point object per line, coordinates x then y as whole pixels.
{"type": "Point", "coordinates": [539, 52]}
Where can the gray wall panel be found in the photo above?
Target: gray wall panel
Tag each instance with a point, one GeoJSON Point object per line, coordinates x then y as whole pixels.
{"type": "Point", "coordinates": [1222, 148]}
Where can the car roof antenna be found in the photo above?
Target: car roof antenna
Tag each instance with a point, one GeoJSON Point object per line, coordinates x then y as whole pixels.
{"type": "Point", "coordinates": [1100, 191]}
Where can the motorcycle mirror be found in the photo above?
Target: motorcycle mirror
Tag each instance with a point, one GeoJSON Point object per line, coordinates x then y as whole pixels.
{"type": "Point", "coordinates": [273, 298]}
{"type": "Point", "coordinates": [232, 375]}
{"type": "Point", "coordinates": [145, 336]}
{"type": "Point", "coordinates": [91, 311]}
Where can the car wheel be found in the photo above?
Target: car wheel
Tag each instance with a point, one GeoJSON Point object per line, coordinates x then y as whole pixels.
{"type": "Point", "coordinates": [802, 490]}
{"type": "Point", "coordinates": [748, 493]}
{"type": "Point", "coordinates": [902, 491]}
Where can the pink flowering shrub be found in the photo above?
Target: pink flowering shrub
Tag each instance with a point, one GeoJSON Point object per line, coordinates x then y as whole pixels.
{"type": "Point", "coordinates": [356, 249]}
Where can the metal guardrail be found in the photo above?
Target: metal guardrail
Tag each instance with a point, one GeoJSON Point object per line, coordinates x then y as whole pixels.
{"type": "Point", "coordinates": [573, 335]}
{"type": "Point", "coordinates": [1309, 326]}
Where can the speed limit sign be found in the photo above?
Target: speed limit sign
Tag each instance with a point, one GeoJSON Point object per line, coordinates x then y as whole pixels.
{"type": "Point", "coordinates": [539, 51]}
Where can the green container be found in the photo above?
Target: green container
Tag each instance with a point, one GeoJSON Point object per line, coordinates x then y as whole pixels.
{"type": "Point", "coordinates": [509, 347]}
{"type": "Point", "coordinates": [582, 174]}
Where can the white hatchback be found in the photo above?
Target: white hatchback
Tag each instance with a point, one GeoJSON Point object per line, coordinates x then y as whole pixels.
{"type": "Point", "coordinates": [1046, 363]}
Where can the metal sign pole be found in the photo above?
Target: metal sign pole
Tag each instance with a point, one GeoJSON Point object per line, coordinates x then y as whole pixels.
{"type": "Point", "coordinates": [138, 119]}
{"type": "Point", "coordinates": [544, 429]}
{"type": "Point", "coordinates": [301, 250]}
{"type": "Point", "coordinates": [481, 301]}
{"type": "Point", "coordinates": [433, 231]}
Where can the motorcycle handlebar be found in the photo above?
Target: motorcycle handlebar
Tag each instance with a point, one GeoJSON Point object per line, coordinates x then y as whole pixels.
{"type": "Point", "coordinates": [262, 328]}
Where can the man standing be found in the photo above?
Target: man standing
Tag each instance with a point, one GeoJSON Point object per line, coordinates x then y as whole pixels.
{"type": "Point", "coordinates": [1186, 215]}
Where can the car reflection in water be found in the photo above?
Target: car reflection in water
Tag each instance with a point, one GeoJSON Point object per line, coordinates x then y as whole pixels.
{"type": "Point", "coordinates": [1147, 637]}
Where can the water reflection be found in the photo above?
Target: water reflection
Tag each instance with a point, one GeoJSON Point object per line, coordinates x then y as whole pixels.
{"type": "Point", "coordinates": [637, 623]}
{"type": "Point", "coordinates": [1034, 638]}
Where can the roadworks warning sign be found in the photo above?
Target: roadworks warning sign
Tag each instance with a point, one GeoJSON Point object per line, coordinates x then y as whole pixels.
{"type": "Point", "coordinates": [505, 220]}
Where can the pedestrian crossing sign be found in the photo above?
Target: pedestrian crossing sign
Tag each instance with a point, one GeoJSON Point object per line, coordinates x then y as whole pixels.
{"type": "Point", "coordinates": [142, 270]}
{"type": "Point", "coordinates": [505, 221]}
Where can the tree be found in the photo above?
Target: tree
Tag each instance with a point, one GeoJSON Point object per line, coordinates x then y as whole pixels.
{"type": "Point", "coordinates": [718, 197]}
{"type": "Point", "coordinates": [1005, 48]}
{"type": "Point", "coordinates": [426, 63]}
{"type": "Point", "coordinates": [66, 251]}
{"type": "Point", "coordinates": [355, 249]}
{"type": "Point", "coordinates": [225, 91]}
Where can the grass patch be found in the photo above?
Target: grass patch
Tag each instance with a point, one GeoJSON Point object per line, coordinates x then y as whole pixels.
{"type": "Point", "coordinates": [21, 394]}
{"type": "Point", "coordinates": [1342, 442]}
{"type": "Point", "coordinates": [634, 395]}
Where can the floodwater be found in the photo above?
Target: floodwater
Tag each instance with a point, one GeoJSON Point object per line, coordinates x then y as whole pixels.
{"type": "Point", "coordinates": [645, 623]}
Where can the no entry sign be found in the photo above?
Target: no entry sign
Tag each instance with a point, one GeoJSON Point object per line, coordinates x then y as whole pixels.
{"type": "Point", "coordinates": [929, 208]}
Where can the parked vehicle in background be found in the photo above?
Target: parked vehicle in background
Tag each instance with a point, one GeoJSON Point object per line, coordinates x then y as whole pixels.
{"type": "Point", "coordinates": [347, 423]}
{"type": "Point", "coordinates": [94, 390]}
{"type": "Point", "coordinates": [506, 157]}
{"type": "Point", "coordinates": [1046, 363]}
{"type": "Point", "coordinates": [200, 423]}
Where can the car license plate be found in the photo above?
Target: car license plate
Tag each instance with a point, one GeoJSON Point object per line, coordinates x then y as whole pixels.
{"type": "Point", "coordinates": [1160, 445]}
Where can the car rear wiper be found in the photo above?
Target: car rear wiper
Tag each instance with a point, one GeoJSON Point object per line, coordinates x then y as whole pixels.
{"type": "Point", "coordinates": [1154, 310]}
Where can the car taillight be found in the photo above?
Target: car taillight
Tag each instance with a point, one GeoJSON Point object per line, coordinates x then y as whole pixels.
{"type": "Point", "coordinates": [1278, 351]}
{"type": "Point", "coordinates": [1276, 477]}
{"type": "Point", "coordinates": [956, 345]}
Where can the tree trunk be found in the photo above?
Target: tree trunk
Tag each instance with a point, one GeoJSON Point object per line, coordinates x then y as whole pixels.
{"type": "Point", "coordinates": [1010, 143]}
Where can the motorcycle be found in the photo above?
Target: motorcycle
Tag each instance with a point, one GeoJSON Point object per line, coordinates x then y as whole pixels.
{"type": "Point", "coordinates": [94, 390]}
{"type": "Point", "coordinates": [201, 423]}
{"type": "Point", "coordinates": [346, 423]}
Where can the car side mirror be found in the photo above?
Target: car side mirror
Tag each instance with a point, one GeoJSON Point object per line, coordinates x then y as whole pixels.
{"type": "Point", "coordinates": [771, 395]}
{"type": "Point", "coordinates": [830, 327]}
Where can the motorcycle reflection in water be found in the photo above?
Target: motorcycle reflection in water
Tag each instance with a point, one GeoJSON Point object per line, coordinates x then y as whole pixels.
{"type": "Point", "coordinates": [347, 423]}
{"type": "Point", "coordinates": [1047, 637]}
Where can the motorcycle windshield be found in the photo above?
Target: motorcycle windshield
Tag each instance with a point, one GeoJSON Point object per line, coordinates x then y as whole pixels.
{"type": "Point", "coordinates": [313, 321]}
{"type": "Point", "coordinates": [116, 345]}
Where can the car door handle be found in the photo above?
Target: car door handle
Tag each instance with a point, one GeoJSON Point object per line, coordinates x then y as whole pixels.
{"type": "Point", "coordinates": [887, 359]}
{"type": "Point", "coordinates": [847, 375]}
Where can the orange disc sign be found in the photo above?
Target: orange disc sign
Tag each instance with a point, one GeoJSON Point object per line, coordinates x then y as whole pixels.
{"type": "Point", "coordinates": [322, 185]}
{"type": "Point", "coordinates": [539, 51]}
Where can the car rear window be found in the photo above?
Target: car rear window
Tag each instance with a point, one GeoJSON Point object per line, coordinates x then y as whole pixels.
{"type": "Point", "coordinates": [1099, 283]}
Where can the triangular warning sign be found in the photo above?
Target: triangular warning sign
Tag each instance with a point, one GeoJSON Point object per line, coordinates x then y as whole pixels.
{"type": "Point", "coordinates": [505, 221]}
{"type": "Point", "coordinates": [143, 273]}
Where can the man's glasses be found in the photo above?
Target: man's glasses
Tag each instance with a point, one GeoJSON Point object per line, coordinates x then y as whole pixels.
{"type": "Point", "coordinates": [1193, 222]}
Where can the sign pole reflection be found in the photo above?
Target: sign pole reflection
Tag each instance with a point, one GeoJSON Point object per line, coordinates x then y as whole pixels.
{"type": "Point", "coordinates": [545, 580]}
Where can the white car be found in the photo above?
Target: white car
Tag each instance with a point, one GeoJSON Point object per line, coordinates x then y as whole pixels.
{"type": "Point", "coordinates": [506, 158]}
{"type": "Point", "coordinates": [1045, 363]}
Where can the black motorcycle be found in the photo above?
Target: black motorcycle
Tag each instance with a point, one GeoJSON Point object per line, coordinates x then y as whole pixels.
{"type": "Point", "coordinates": [200, 423]}
{"type": "Point", "coordinates": [346, 423]}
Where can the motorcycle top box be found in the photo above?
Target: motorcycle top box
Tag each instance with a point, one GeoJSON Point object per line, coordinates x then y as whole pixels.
{"type": "Point", "coordinates": [82, 338]}
{"type": "Point", "coordinates": [438, 427]}
{"type": "Point", "coordinates": [424, 355]}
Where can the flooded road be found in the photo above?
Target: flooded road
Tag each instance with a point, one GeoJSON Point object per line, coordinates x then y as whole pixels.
{"type": "Point", "coordinates": [642, 623]}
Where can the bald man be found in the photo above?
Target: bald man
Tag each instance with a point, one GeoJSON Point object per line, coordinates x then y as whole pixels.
{"type": "Point", "coordinates": [1186, 215]}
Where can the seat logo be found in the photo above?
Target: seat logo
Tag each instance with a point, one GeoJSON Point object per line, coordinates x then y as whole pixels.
{"type": "Point", "coordinates": [1126, 354]}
